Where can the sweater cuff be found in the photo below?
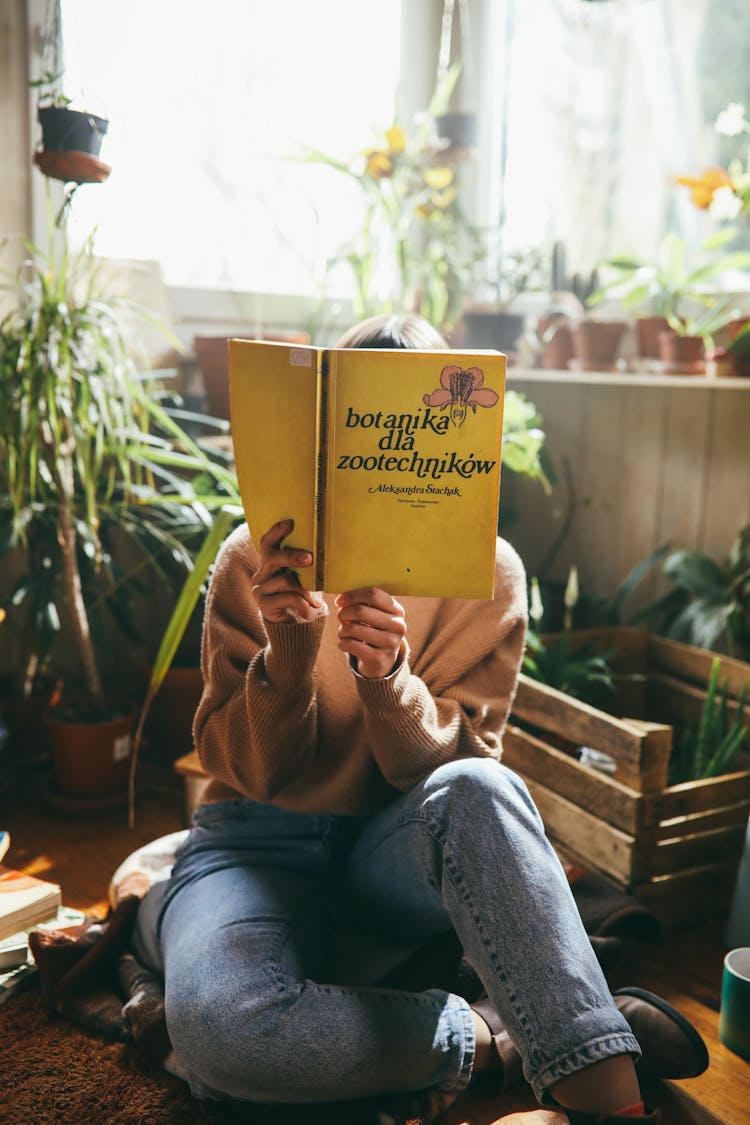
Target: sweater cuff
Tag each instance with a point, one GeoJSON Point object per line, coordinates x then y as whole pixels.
{"type": "Point", "coordinates": [293, 648]}
{"type": "Point", "coordinates": [385, 694]}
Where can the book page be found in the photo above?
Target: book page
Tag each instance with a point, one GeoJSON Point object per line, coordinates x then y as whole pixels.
{"type": "Point", "coordinates": [274, 390]}
{"type": "Point", "coordinates": [414, 443]}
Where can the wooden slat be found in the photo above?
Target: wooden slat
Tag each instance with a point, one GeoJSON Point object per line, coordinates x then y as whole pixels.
{"type": "Point", "coordinates": [728, 473]}
{"type": "Point", "coordinates": [602, 479]}
{"type": "Point", "coordinates": [694, 664]}
{"type": "Point", "coordinates": [681, 509]}
{"type": "Point", "coordinates": [585, 837]}
{"type": "Point", "coordinates": [674, 701]}
{"type": "Point", "coordinates": [591, 790]}
{"type": "Point", "coordinates": [552, 710]}
{"type": "Point", "coordinates": [639, 497]}
{"type": "Point", "coordinates": [720, 845]}
{"type": "Point", "coordinates": [733, 815]}
{"type": "Point", "coordinates": [696, 796]}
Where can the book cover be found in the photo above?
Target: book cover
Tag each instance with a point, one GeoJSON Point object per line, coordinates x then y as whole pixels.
{"type": "Point", "coordinates": [387, 460]}
{"type": "Point", "coordinates": [25, 901]}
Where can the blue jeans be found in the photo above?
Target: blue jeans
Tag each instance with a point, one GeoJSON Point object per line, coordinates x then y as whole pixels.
{"type": "Point", "coordinates": [262, 1006]}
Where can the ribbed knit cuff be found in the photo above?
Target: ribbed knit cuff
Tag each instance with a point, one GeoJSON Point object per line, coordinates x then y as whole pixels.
{"type": "Point", "coordinates": [293, 648]}
{"type": "Point", "coordinates": [384, 694]}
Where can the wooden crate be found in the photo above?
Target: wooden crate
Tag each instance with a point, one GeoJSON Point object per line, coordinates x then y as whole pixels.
{"type": "Point", "coordinates": [676, 847]}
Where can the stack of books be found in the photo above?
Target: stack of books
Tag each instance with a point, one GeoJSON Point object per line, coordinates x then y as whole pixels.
{"type": "Point", "coordinates": [25, 902]}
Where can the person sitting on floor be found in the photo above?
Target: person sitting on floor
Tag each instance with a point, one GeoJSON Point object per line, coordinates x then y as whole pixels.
{"type": "Point", "coordinates": [353, 746]}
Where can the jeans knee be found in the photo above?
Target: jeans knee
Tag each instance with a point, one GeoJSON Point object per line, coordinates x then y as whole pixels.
{"type": "Point", "coordinates": [236, 1045]}
{"type": "Point", "coordinates": [480, 789]}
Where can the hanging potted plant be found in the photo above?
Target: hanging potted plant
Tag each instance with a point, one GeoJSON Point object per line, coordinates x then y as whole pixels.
{"type": "Point", "coordinates": [71, 138]}
{"type": "Point", "coordinates": [456, 127]}
{"type": "Point", "coordinates": [91, 458]}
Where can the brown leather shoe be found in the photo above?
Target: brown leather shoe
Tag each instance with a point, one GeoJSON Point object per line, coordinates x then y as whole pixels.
{"type": "Point", "coordinates": [509, 1072]}
{"type": "Point", "coordinates": [671, 1047]}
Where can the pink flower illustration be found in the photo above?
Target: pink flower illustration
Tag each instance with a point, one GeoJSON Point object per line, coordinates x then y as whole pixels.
{"type": "Point", "coordinates": [461, 389]}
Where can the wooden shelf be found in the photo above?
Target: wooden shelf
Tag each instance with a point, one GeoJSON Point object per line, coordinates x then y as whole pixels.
{"type": "Point", "coordinates": [627, 379]}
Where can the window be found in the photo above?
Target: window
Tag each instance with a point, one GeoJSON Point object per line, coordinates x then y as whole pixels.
{"type": "Point", "coordinates": [599, 107]}
{"type": "Point", "coordinates": [587, 111]}
{"type": "Point", "coordinates": [208, 105]}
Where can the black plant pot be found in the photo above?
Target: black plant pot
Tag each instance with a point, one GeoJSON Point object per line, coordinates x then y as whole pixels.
{"type": "Point", "coordinates": [458, 129]}
{"type": "Point", "coordinates": [69, 130]}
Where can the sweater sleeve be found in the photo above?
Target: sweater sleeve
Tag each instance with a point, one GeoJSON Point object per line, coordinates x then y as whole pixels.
{"type": "Point", "coordinates": [455, 701]}
{"type": "Point", "coordinates": [256, 723]}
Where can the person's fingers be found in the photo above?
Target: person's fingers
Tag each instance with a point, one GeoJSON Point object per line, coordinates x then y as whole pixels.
{"type": "Point", "coordinates": [289, 605]}
{"type": "Point", "coordinates": [280, 560]}
{"type": "Point", "coordinates": [274, 535]}
{"type": "Point", "coordinates": [370, 595]}
{"type": "Point", "coordinates": [374, 626]}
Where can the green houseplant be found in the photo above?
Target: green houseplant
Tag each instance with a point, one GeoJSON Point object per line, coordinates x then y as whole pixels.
{"type": "Point", "coordinates": [708, 748]}
{"type": "Point", "coordinates": [663, 291]}
{"type": "Point", "coordinates": [102, 493]}
{"type": "Point", "coordinates": [709, 603]}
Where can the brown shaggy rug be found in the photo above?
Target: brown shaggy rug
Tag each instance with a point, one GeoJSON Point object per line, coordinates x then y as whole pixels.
{"type": "Point", "coordinates": [53, 1071]}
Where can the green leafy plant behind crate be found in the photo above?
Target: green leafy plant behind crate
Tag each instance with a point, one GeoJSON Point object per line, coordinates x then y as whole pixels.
{"type": "Point", "coordinates": [709, 747]}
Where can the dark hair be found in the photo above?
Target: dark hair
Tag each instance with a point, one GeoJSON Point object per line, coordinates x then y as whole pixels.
{"type": "Point", "coordinates": [391, 331]}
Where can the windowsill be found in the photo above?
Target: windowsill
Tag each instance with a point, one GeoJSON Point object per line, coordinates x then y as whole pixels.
{"type": "Point", "coordinates": [627, 379]}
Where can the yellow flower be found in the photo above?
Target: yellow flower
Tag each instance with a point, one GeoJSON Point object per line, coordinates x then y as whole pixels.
{"type": "Point", "coordinates": [396, 138]}
{"type": "Point", "coordinates": [443, 199]}
{"type": "Point", "coordinates": [703, 187]}
{"type": "Point", "coordinates": [439, 177]}
{"type": "Point", "coordinates": [378, 165]}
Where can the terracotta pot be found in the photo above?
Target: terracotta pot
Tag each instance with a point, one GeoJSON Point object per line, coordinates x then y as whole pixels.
{"type": "Point", "coordinates": [596, 344]}
{"type": "Point", "coordinates": [557, 342]}
{"type": "Point", "coordinates": [647, 330]}
{"type": "Point", "coordinates": [682, 355]}
{"type": "Point", "coordinates": [212, 356]}
{"type": "Point", "coordinates": [90, 759]}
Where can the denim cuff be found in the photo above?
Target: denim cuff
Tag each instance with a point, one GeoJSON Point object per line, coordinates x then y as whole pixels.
{"type": "Point", "coordinates": [604, 1047]}
{"type": "Point", "coordinates": [460, 1043]}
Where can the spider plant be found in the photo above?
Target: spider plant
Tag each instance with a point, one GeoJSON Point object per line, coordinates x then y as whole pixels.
{"type": "Point", "coordinates": [102, 493]}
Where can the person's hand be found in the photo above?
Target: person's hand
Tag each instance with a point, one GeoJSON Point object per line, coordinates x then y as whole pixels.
{"type": "Point", "coordinates": [277, 588]}
{"type": "Point", "coordinates": [372, 630]}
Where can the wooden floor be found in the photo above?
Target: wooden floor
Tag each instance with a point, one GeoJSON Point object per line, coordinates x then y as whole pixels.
{"type": "Point", "coordinates": [81, 853]}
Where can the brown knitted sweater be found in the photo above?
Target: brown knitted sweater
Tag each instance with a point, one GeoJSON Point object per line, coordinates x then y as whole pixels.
{"type": "Point", "coordinates": [284, 719]}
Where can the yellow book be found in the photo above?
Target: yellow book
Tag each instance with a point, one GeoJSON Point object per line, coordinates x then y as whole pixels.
{"type": "Point", "coordinates": [388, 461]}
